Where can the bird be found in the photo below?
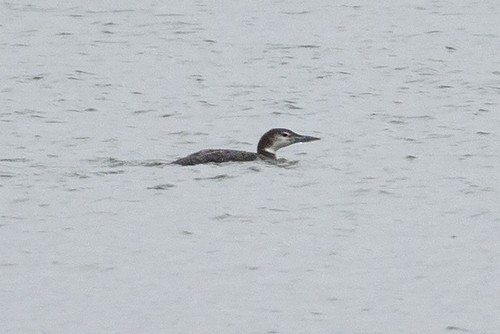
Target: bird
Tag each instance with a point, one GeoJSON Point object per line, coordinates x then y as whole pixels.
{"type": "Point", "coordinates": [269, 143]}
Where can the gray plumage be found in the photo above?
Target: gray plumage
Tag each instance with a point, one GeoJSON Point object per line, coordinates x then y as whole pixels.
{"type": "Point", "coordinates": [269, 143]}
{"type": "Point", "coordinates": [216, 156]}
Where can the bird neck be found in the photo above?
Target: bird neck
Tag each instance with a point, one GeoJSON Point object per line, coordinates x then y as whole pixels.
{"type": "Point", "coordinates": [267, 154]}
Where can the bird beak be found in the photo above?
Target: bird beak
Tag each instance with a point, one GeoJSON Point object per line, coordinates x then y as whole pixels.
{"type": "Point", "coordinates": [303, 139]}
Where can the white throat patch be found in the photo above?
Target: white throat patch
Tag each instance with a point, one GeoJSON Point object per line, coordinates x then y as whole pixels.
{"type": "Point", "coordinates": [270, 150]}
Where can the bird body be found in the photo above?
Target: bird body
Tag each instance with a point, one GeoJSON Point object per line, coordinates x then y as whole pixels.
{"type": "Point", "coordinates": [269, 143]}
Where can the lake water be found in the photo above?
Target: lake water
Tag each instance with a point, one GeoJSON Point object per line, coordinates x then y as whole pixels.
{"type": "Point", "coordinates": [389, 224]}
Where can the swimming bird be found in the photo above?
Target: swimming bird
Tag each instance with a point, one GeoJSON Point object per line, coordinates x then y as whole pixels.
{"type": "Point", "coordinates": [269, 143]}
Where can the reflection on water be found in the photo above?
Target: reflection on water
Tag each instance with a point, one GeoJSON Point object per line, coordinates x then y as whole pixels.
{"type": "Point", "coordinates": [112, 162]}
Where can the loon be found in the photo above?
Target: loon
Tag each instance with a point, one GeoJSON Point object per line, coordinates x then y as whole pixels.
{"type": "Point", "coordinates": [269, 143]}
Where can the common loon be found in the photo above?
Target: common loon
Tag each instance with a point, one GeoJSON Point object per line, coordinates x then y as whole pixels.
{"type": "Point", "coordinates": [269, 143]}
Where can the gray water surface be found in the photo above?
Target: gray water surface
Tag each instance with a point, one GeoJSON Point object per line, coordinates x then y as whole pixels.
{"type": "Point", "coordinates": [389, 224]}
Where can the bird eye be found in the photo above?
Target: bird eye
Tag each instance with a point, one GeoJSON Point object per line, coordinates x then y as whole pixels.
{"type": "Point", "coordinates": [285, 134]}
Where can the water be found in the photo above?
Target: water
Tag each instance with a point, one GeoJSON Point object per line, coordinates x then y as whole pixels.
{"type": "Point", "coordinates": [389, 224]}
